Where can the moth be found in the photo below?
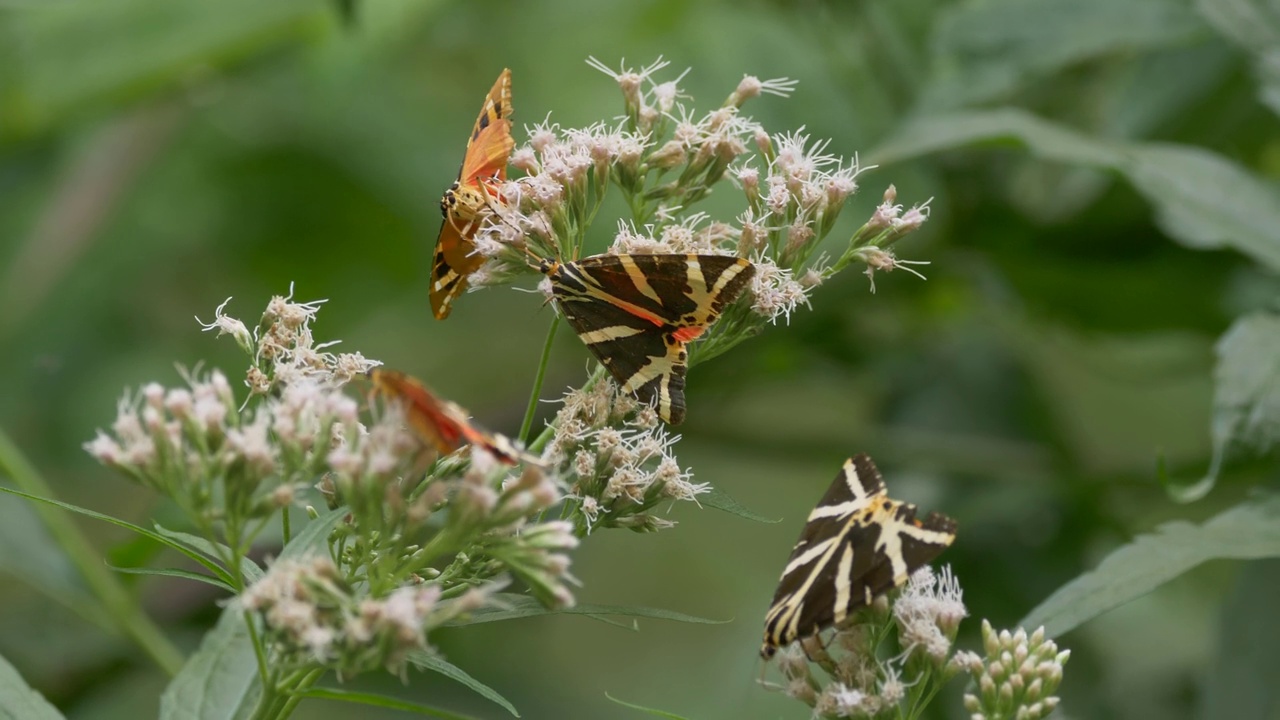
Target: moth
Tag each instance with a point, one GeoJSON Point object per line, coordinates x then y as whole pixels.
{"type": "Point", "coordinates": [441, 424]}
{"type": "Point", "coordinates": [637, 314]}
{"type": "Point", "coordinates": [856, 545]}
{"type": "Point", "coordinates": [484, 167]}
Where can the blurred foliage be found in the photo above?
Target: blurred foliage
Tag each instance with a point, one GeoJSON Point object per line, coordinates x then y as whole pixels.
{"type": "Point", "coordinates": [1105, 207]}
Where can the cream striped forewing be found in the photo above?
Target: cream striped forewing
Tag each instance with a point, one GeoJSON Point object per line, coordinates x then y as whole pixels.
{"type": "Point", "coordinates": [637, 314]}
{"type": "Point", "coordinates": [856, 545]}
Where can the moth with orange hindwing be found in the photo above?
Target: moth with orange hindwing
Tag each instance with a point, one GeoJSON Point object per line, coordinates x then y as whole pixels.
{"type": "Point", "coordinates": [484, 168]}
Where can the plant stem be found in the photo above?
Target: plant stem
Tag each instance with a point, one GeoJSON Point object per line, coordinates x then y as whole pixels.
{"type": "Point", "coordinates": [545, 436]}
{"type": "Point", "coordinates": [285, 528]}
{"type": "Point", "coordinates": [259, 653]}
{"type": "Point", "coordinates": [537, 381]}
{"type": "Point", "coordinates": [119, 604]}
{"type": "Point", "coordinates": [302, 685]}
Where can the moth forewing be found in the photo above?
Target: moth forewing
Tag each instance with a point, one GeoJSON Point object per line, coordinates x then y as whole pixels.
{"type": "Point", "coordinates": [497, 104]}
{"type": "Point", "coordinates": [484, 164]}
{"type": "Point", "coordinates": [637, 313]}
{"type": "Point", "coordinates": [440, 424]}
{"type": "Point", "coordinates": [856, 545]}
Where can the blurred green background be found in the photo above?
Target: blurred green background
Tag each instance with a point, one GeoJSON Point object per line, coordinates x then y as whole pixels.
{"type": "Point", "coordinates": [1102, 181]}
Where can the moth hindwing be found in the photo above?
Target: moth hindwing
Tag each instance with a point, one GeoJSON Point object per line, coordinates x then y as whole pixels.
{"type": "Point", "coordinates": [441, 424]}
{"type": "Point", "coordinates": [484, 166]}
{"type": "Point", "coordinates": [856, 545]}
{"type": "Point", "coordinates": [637, 313]}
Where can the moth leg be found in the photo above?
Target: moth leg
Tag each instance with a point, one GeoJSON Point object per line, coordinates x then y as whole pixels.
{"type": "Point", "coordinates": [815, 648]}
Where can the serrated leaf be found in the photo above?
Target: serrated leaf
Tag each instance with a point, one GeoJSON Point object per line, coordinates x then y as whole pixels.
{"type": "Point", "coordinates": [1206, 201]}
{"type": "Point", "coordinates": [508, 606]}
{"type": "Point", "coordinates": [1246, 398]}
{"type": "Point", "coordinates": [1250, 530]}
{"type": "Point", "coordinates": [720, 500]}
{"type": "Point", "coordinates": [1202, 200]}
{"type": "Point", "coordinates": [989, 49]}
{"type": "Point", "coordinates": [646, 710]}
{"type": "Point", "coordinates": [249, 569]}
{"type": "Point", "coordinates": [1255, 27]}
{"type": "Point", "coordinates": [1249, 640]}
{"type": "Point", "coordinates": [435, 663]}
{"type": "Point", "coordinates": [383, 701]}
{"type": "Point", "coordinates": [19, 701]}
{"type": "Point", "coordinates": [220, 681]}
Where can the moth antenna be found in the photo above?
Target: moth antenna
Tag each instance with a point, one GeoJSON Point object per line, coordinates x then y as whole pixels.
{"type": "Point", "coordinates": [538, 261]}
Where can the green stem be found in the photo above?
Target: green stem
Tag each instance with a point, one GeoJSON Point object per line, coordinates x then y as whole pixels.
{"type": "Point", "coordinates": [537, 381]}
{"type": "Point", "coordinates": [549, 431]}
{"type": "Point", "coordinates": [445, 542]}
{"type": "Point", "coordinates": [105, 586]}
{"type": "Point", "coordinates": [259, 652]}
{"type": "Point", "coordinates": [294, 693]}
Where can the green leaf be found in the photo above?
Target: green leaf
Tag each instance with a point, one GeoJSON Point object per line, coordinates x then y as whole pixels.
{"type": "Point", "coordinates": [1206, 201]}
{"type": "Point", "coordinates": [1182, 491]}
{"type": "Point", "coordinates": [1202, 200]}
{"type": "Point", "coordinates": [30, 554]}
{"type": "Point", "coordinates": [1139, 101]}
{"type": "Point", "coordinates": [646, 710]}
{"type": "Point", "coordinates": [382, 701]}
{"type": "Point", "coordinates": [1248, 642]}
{"type": "Point", "coordinates": [435, 663]}
{"type": "Point", "coordinates": [508, 606]}
{"type": "Point", "coordinates": [249, 569]}
{"type": "Point", "coordinates": [1248, 531]}
{"type": "Point", "coordinates": [70, 55]}
{"type": "Point", "coordinates": [990, 49]}
{"type": "Point", "coordinates": [175, 572]}
{"type": "Point", "coordinates": [213, 567]}
{"type": "Point", "coordinates": [19, 701]}
{"type": "Point", "coordinates": [720, 500]}
{"type": "Point", "coordinates": [221, 681]}
{"type": "Point", "coordinates": [1246, 401]}
{"type": "Point", "coordinates": [1003, 126]}
{"type": "Point", "coordinates": [1255, 27]}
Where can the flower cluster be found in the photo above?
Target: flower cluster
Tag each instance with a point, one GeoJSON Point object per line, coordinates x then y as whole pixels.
{"type": "Point", "coordinates": [891, 655]}
{"type": "Point", "coordinates": [479, 519]}
{"type": "Point", "coordinates": [423, 539]}
{"type": "Point", "coordinates": [1017, 677]}
{"type": "Point", "coordinates": [313, 616]}
{"type": "Point", "coordinates": [665, 158]}
{"type": "Point", "coordinates": [617, 459]}
{"type": "Point", "coordinates": [897, 653]}
{"type": "Point", "coordinates": [283, 350]}
{"type": "Point", "coordinates": [928, 614]}
{"type": "Point", "coordinates": [250, 461]}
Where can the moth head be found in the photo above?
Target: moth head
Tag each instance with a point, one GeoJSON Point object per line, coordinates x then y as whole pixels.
{"type": "Point", "coordinates": [449, 199]}
{"type": "Point", "coordinates": [466, 202]}
{"type": "Point", "coordinates": [548, 267]}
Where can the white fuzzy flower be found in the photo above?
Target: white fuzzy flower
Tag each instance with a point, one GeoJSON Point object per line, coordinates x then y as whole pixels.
{"type": "Point", "coordinates": [776, 293]}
